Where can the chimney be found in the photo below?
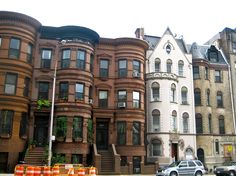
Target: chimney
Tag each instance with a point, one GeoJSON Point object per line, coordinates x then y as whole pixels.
{"type": "Point", "coordinates": [139, 33]}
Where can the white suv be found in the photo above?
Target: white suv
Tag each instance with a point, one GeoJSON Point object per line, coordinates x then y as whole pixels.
{"type": "Point", "coordinates": [183, 167]}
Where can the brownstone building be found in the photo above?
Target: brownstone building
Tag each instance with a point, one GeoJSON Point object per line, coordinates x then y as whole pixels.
{"type": "Point", "coordinates": [99, 109]}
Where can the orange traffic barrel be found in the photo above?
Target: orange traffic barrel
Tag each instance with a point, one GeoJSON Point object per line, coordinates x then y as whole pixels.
{"type": "Point", "coordinates": [71, 172]}
{"type": "Point", "coordinates": [92, 171]}
{"type": "Point", "coordinates": [81, 171]}
{"type": "Point", "coordinates": [56, 170]}
{"type": "Point", "coordinates": [47, 171]}
{"type": "Point", "coordinates": [29, 171]}
{"type": "Point", "coordinates": [37, 171]}
{"type": "Point", "coordinates": [19, 170]}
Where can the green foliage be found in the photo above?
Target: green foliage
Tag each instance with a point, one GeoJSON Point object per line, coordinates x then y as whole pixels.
{"type": "Point", "coordinates": [58, 158]}
{"type": "Point", "coordinates": [90, 131]}
{"type": "Point", "coordinates": [43, 103]}
{"type": "Point", "coordinates": [61, 127]}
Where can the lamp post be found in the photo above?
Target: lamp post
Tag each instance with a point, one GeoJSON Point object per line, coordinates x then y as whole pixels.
{"type": "Point", "coordinates": [52, 114]}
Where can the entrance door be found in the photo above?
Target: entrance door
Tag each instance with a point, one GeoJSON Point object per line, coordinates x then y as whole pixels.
{"type": "Point", "coordinates": [102, 135]}
{"type": "Point", "coordinates": [136, 164]}
{"type": "Point", "coordinates": [41, 130]}
{"type": "Point", "coordinates": [174, 151]}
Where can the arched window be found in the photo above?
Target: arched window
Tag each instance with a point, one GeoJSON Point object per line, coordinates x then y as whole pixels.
{"type": "Point", "coordinates": [156, 147]}
{"type": "Point", "coordinates": [157, 65]}
{"type": "Point", "coordinates": [208, 97]}
{"type": "Point", "coordinates": [197, 96]}
{"type": "Point", "coordinates": [174, 121]}
{"type": "Point", "coordinates": [168, 66]}
{"type": "Point", "coordinates": [199, 127]}
{"type": "Point", "coordinates": [219, 99]}
{"type": "Point", "coordinates": [181, 68]}
{"type": "Point", "coordinates": [156, 120]}
{"type": "Point", "coordinates": [155, 91]}
{"type": "Point", "coordinates": [210, 123]}
{"type": "Point", "coordinates": [184, 95]}
{"type": "Point", "coordinates": [185, 122]}
{"type": "Point", "coordinates": [221, 125]}
{"type": "Point", "coordinates": [172, 93]}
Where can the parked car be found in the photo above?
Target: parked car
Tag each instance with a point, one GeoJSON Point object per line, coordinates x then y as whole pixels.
{"type": "Point", "coordinates": [183, 167]}
{"type": "Point", "coordinates": [228, 168]}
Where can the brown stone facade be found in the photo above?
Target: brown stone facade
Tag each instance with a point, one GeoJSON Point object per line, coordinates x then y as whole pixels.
{"type": "Point", "coordinates": [99, 94]}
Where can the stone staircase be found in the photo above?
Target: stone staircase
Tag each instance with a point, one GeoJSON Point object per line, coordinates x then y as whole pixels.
{"type": "Point", "coordinates": [35, 156]}
{"type": "Point", "coordinates": [106, 161]}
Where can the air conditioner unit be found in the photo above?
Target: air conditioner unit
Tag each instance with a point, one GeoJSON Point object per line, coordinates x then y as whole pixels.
{"type": "Point", "coordinates": [121, 104]}
{"type": "Point", "coordinates": [90, 101]}
{"type": "Point", "coordinates": [136, 74]}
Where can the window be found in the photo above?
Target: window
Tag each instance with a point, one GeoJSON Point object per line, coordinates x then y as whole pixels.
{"type": "Point", "coordinates": [197, 97]}
{"type": "Point", "coordinates": [122, 68]}
{"type": "Point", "coordinates": [221, 125]}
{"type": "Point", "coordinates": [26, 86]}
{"type": "Point", "coordinates": [210, 123]}
{"type": "Point", "coordinates": [77, 129]}
{"type": "Point", "coordinates": [61, 128]}
{"type": "Point", "coordinates": [184, 95]}
{"type": "Point", "coordinates": [122, 98]}
{"type": "Point", "coordinates": [103, 99]}
{"type": "Point", "coordinates": [63, 90]}
{"type": "Point", "coordinates": [81, 59]}
{"type": "Point", "coordinates": [43, 90]}
{"type": "Point", "coordinates": [136, 133]}
{"type": "Point", "coordinates": [155, 91]}
{"type": "Point", "coordinates": [156, 120]}
{"type": "Point", "coordinates": [91, 62]}
{"type": "Point", "coordinates": [168, 49]}
{"type": "Point", "coordinates": [14, 51]}
{"type": "Point", "coordinates": [65, 61]}
{"type": "Point", "coordinates": [156, 147]}
{"type": "Point", "coordinates": [136, 99]}
{"type": "Point", "coordinates": [104, 63]}
{"type": "Point", "coordinates": [157, 65]}
{"type": "Point", "coordinates": [206, 72]}
{"type": "Point", "coordinates": [174, 121]}
{"type": "Point", "coordinates": [172, 93]}
{"type": "Point", "coordinates": [23, 125]}
{"type": "Point", "coordinates": [217, 146]}
{"type": "Point", "coordinates": [136, 69]}
{"type": "Point", "coordinates": [219, 99]}
{"type": "Point", "coordinates": [234, 47]}
{"type": "Point", "coordinates": [199, 127]}
{"type": "Point", "coordinates": [29, 53]}
{"type": "Point", "coordinates": [46, 57]}
{"type": "Point", "coordinates": [79, 91]}
{"type": "Point", "coordinates": [218, 76]}
{"type": "Point", "coordinates": [90, 92]}
{"type": "Point", "coordinates": [10, 83]}
{"type": "Point", "coordinates": [208, 97]}
{"type": "Point", "coordinates": [213, 56]}
{"type": "Point", "coordinates": [0, 41]}
{"type": "Point", "coordinates": [181, 68]}
{"type": "Point", "coordinates": [121, 133]}
{"type": "Point", "coordinates": [185, 122]}
{"type": "Point", "coordinates": [6, 121]}
{"type": "Point", "coordinates": [123, 161]}
{"type": "Point", "coordinates": [168, 66]}
{"type": "Point", "coordinates": [196, 74]}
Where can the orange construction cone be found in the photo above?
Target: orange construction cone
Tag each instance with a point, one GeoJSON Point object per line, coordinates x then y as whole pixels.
{"type": "Point", "coordinates": [81, 171]}
{"type": "Point", "coordinates": [56, 171]}
{"type": "Point", "coordinates": [92, 171]}
{"type": "Point", "coordinates": [71, 172]}
{"type": "Point", "coordinates": [29, 171]}
{"type": "Point", "coordinates": [19, 170]}
{"type": "Point", "coordinates": [47, 171]}
{"type": "Point", "coordinates": [37, 171]}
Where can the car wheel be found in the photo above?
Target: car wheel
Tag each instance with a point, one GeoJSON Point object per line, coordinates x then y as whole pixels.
{"type": "Point", "coordinates": [173, 174]}
{"type": "Point", "coordinates": [198, 173]}
{"type": "Point", "coordinates": [231, 173]}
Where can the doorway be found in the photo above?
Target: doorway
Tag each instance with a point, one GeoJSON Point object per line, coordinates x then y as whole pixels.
{"type": "Point", "coordinates": [174, 151]}
{"type": "Point", "coordinates": [102, 135]}
{"type": "Point", "coordinates": [136, 164]}
{"type": "Point", "coordinates": [41, 130]}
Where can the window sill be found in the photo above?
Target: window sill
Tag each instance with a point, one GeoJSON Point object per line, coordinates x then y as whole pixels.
{"type": "Point", "coordinates": [5, 136]}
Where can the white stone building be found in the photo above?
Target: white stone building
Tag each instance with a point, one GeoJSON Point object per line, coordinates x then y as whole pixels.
{"type": "Point", "coordinates": [170, 111]}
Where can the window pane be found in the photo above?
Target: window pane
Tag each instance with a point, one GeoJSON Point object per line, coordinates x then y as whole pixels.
{"type": "Point", "coordinates": [23, 124]}
{"type": "Point", "coordinates": [61, 127]}
{"type": "Point", "coordinates": [77, 128]}
{"type": "Point", "coordinates": [80, 61]}
{"type": "Point", "coordinates": [136, 133]}
{"type": "Point", "coordinates": [43, 90]}
{"type": "Point", "coordinates": [29, 53]}
{"type": "Point", "coordinates": [26, 88]}
{"type": "Point", "coordinates": [121, 133]}
{"type": "Point", "coordinates": [63, 94]}
{"type": "Point", "coordinates": [79, 91]}
{"type": "Point", "coordinates": [6, 119]}
{"type": "Point", "coordinates": [103, 101]}
{"type": "Point", "coordinates": [10, 83]}
{"type": "Point", "coordinates": [46, 58]}
{"type": "Point", "coordinates": [122, 68]}
{"type": "Point", "coordinates": [46, 54]}
{"type": "Point", "coordinates": [136, 97]}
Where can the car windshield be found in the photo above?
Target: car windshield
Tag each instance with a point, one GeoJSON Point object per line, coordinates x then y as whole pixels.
{"type": "Point", "coordinates": [229, 163]}
{"type": "Point", "coordinates": [174, 164]}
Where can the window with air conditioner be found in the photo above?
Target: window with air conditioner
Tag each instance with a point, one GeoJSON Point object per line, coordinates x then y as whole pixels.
{"type": "Point", "coordinates": [121, 105]}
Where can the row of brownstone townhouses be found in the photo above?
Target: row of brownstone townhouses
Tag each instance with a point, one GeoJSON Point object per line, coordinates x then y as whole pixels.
{"type": "Point", "coordinates": [123, 105]}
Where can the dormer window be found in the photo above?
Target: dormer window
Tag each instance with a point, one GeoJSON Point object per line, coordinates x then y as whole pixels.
{"type": "Point", "coordinates": [213, 56]}
{"type": "Point", "coordinates": [168, 49]}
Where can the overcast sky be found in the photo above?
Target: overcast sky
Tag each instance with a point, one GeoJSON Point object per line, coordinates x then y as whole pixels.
{"type": "Point", "coordinates": [196, 20]}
